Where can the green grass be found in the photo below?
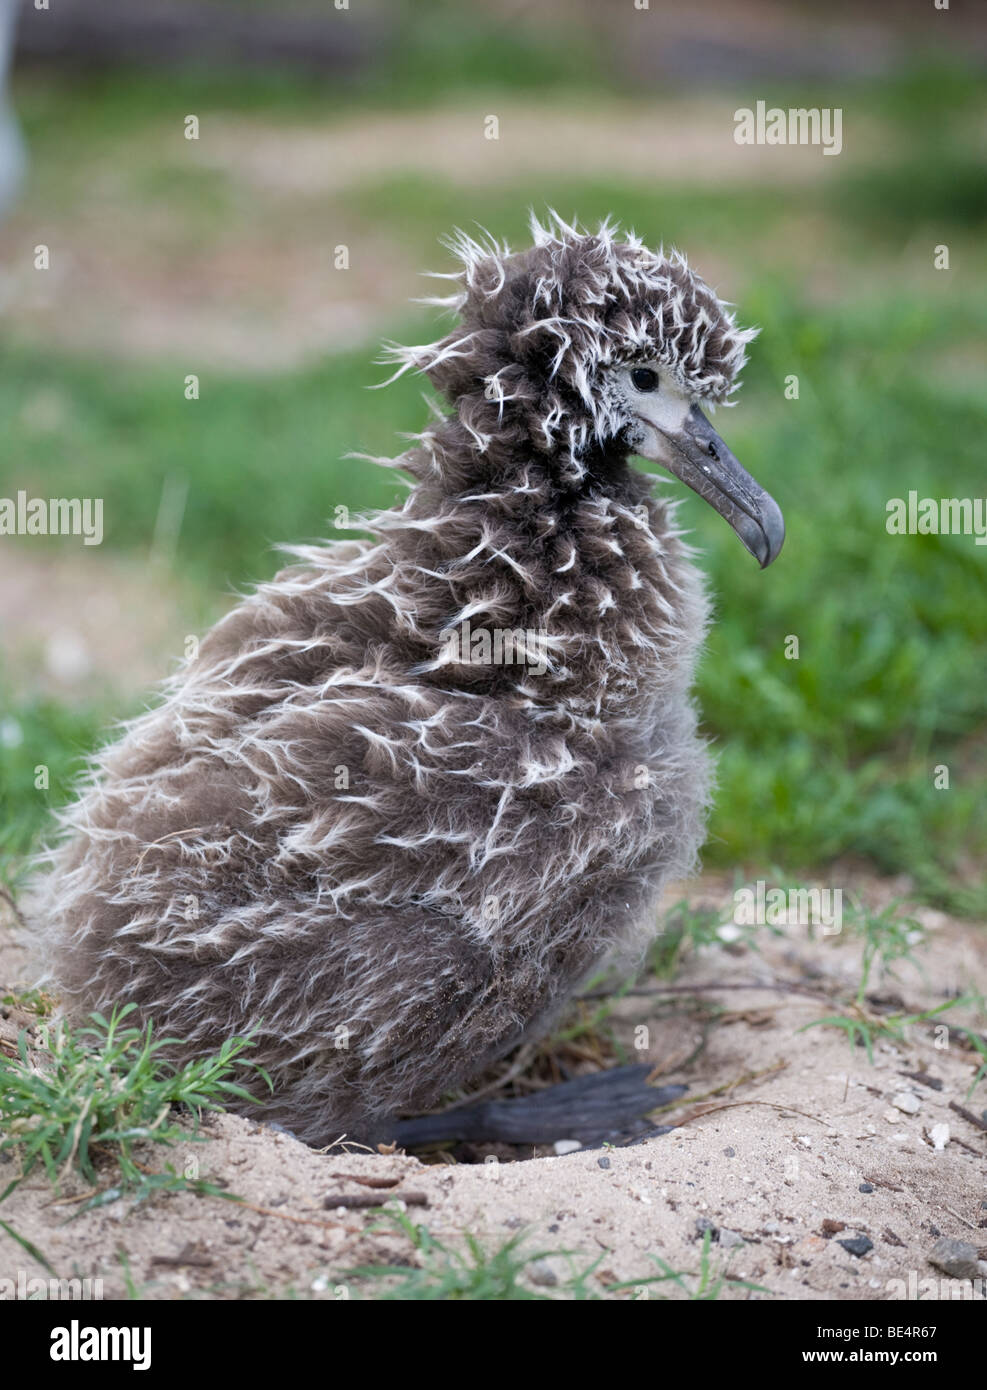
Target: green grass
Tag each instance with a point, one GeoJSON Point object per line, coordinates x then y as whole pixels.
{"type": "Point", "coordinates": [978, 1043]}
{"type": "Point", "coordinates": [700, 1286]}
{"type": "Point", "coordinates": [436, 1272]}
{"type": "Point", "coordinates": [83, 1101]}
{"type": "Point", "coordinates": [441, 1273]}
{"type": "Point", "coordinates": [102, 1090]}
{"type": "Point", "coordinates": [863, 1029]}
{"type": "Point", "coordinates": [36, 734]}
{"type": "Point", "coordinates": [889, 937]}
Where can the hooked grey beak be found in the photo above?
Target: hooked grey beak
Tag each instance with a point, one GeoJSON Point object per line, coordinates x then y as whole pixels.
{"type": "Point", "coordinates": [703, 462]}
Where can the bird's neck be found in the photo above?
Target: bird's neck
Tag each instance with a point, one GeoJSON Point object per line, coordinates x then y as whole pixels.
{"type": "Point", "coordinates": [563, 591]}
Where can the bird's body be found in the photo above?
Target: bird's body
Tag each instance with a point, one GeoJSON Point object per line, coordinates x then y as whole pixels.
{"type": "Point", "coordinates": [411, 792]}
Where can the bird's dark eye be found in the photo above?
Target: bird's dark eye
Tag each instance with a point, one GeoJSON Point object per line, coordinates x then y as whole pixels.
{"type": "Point", "coordinates": [644, 379]}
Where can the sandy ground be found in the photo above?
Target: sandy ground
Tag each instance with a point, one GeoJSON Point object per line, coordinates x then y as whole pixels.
{"type": "Point", "coordinates": [801, 1148]}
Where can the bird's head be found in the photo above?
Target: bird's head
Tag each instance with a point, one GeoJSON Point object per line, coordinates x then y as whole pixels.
{"type": "Point", "coordinates": [590, 345]}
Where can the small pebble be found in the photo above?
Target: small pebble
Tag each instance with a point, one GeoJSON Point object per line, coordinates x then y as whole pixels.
{"type": "Point", "coordinates": [603, 1162]}
{"type": "Point", "coordinates": [866, 1187]}
{"type": "Point", "coordinates": [955, 1258]}
{"type": "Point", "coordinates": [939, 1134]}
{"type": "Point", "coordinates": [541, 1272]}
{"type": "Point", "coordinates": [857, 1245]}
{"type": "Point", "coordinates": [730, 1239]}
{"type": "Point", "coordinates": [907, 1101]}
{"type": "Point", "coordinates": [566, 1146]}
{"type": "Point", "coordinates": [730, 1153]}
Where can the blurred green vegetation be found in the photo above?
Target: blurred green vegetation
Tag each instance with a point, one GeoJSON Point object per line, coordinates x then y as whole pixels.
{"type": "Point", "coordinates": [829, 755]}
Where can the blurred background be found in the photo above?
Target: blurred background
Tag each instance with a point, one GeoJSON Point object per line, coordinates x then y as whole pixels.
{"type": "Point", "coordinates": [364, 128]}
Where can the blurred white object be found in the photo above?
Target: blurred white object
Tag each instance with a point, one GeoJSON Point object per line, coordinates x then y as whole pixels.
{"type": "Point", "coordinates": [12, 156]}
{"type": "Point", "coordinates": [939, 1134]}
{"type": "Point", "coordinates": [11, 733]}
{"type": "Point", "coordinates": [66, 657]}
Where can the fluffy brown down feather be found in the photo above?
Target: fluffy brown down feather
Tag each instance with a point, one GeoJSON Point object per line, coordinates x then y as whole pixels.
{"type": "Point", "coordinates": [390, 863]}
